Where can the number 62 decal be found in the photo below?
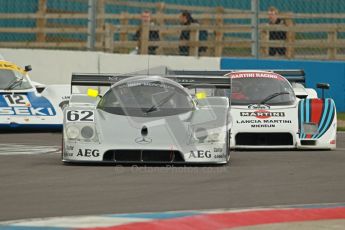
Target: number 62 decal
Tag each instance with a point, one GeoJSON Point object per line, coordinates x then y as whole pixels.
{"type": "Point", "coordinates": [80, 115]}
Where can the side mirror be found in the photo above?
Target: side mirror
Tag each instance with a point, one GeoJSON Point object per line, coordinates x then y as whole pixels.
{"type": "Point", "coordinates": [28, 68]}
{"type": "Point", "coordinates": [213, 101]}
{"type": "Point", "coordinates": [323, 86]}
{"type": "Point", "coordinates": [201, 95]}
{"type": "Point", "coordinates": [92, 92]}
{"type": "Point", "coordinates": [40, 88]}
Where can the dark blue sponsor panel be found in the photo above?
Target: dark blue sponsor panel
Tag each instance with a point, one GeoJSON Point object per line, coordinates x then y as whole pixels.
{"type": "Point", "coordinates": [15, 127]}
{"type": "Point", "coordinates": [25, 104]}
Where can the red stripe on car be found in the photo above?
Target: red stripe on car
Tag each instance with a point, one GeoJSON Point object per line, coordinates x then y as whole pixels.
{"type": "Point", "coordinates": [316, 110]}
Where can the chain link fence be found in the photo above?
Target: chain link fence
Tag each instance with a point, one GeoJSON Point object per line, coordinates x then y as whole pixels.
{"type": "Point", "coordinates": [309, 29]}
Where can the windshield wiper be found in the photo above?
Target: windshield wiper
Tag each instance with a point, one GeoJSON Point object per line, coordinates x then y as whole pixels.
{"type": "Point", "coordinates": [270, 97]}
{"type": "Point", "coordinates": [14, 83]}
{"type": "Point", "coordinates": [160, 103]}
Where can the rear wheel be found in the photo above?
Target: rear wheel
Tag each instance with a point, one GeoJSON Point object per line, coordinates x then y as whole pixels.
{"type": "Point", "coordinates": [62, 148]}
{"type": "Point", "coordinates": [63, 104]}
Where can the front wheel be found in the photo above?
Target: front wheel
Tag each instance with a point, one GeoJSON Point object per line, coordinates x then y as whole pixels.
{"type": "Point", "coordinates": [228, 147]}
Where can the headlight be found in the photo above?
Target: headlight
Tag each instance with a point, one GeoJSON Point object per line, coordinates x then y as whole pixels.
{"type": "Point", "coordinates": [87, 132]}
{"type": "Point", "coordinates": [214, 137]}
{"type": "Point", "coordinates": [310, 128]}
{"type": "Point", "coordinates": [201, 134]}
{"type": "Point", "coordinates": [81, 132]}
{"type": "Point", "coordinates": [72, 132]}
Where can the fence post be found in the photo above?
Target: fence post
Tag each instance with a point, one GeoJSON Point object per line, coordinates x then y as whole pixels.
{"type": "Point", "coordinates": [255, 26]}
{"type": "Point", "coordinates": [41, 21]}
{"type": "Point", "coordinates": [109, 37]}
{"type": "Point", "coordinates": [209, 23]}
{"type": "Point", "coordinates": [264, 35]}
{"type": "Point", "coordinates": [290, 38]}
{"type": "Point", "coordinates": [109, 40]}
{"type": "Point", "coordinates": [194, 39]}
{"type": "Point", "coordinates": [332, 38]}
{"type": "Point", "coordinates": [123, 33]}
{"type": "Point", "coordinates": [91, 25]}
{"type": "Point", "coordinates": [160, 22]}
{"type": "Point", "coordinates": [218, 49]}
{"type": "Point", "coordinates": [100, 22]}
{"type": "Point", "coordinates": [144, 36]}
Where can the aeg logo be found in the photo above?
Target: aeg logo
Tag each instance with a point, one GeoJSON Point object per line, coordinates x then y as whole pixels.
{"type": "Point", "coordinates": [88, 153]}
{"type": "Point", "coordinates": [200, 154]}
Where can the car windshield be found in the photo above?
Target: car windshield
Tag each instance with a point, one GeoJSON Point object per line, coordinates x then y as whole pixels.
{"type": "Point", "coordinates": [13, 80]}
{"type": "Point", "coordinates": [261, 91]}
{"type": "Point", "coordinates": [146, 98]}
{"type": "Point", "coordinates": [250, 90]}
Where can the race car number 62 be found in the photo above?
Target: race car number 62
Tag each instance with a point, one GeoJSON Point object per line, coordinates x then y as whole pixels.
{"type": "Point", "coordinates": [80, 115]}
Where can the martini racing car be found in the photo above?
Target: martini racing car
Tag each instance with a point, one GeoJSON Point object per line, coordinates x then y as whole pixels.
{"type": "Point", "coordinates": [273, 109]}
{"type": "Point", "coordinates": [146, 119]}
{"type": "Point", "coordinates": [28, 105]}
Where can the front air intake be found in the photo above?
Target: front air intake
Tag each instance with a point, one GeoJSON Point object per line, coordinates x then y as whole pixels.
{"type": "Point", "coordinates": [308, 142]}
{"type": "Point", "coordinates": [143, 156]}
{"type": "Point", "coordinates": [264, 139]}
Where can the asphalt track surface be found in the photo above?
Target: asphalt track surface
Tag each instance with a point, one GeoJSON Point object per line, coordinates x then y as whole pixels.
{"type": "Point", "coordinates": [39, 185]}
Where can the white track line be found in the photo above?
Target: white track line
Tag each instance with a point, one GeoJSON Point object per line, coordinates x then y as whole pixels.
{"type": "Point", "coordinates": [76, 222]}
{"type": "Point", "coordinates": [20, 149]}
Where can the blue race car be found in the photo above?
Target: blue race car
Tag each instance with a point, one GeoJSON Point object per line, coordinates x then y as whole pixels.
{"type": "Point", "coordinates": [27, 105]}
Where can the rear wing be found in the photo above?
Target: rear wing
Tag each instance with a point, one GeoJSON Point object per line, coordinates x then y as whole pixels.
{"type": "Point", "coordinates": [79, 79]}
{"type": "Point", "coordinates": [82, 79]}
{"type": "Point", "coordinates": [187, 78]}
{"type": "Point", "coordinates": [297, 76]}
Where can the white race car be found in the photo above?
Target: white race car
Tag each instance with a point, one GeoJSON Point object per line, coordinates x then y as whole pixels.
{"type": "Point", "coordinates": [273, 109]}
{"type": "Point", "coordinates": [147, 119]}
{"type": "Point", "coordinates": [27, 105]}
{"type": "Point", "coordinates": [269, 112]}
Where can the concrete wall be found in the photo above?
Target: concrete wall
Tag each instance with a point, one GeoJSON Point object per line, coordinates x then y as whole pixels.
{"type": "Point", "coordinates": [316, 71]}
{"type": "Point", "coordinates": [56, 67]}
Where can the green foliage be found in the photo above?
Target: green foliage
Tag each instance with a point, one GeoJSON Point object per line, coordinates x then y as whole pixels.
{"type": "Point", "coordinates": [341, 116]}
{"type": "Point", "coordinates": [341, 129]}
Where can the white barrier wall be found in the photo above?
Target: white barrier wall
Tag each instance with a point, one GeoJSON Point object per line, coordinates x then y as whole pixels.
{"type": "Point", "coordinates": [56, 67]}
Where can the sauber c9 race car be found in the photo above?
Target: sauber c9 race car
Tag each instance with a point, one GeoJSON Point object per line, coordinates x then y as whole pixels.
{"type": "Point", "coordinates": [273, 109]}
{"type": "Point", "coordinates": [27, 105]}
{"type": "Point", "coordinates": [147, 119]}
